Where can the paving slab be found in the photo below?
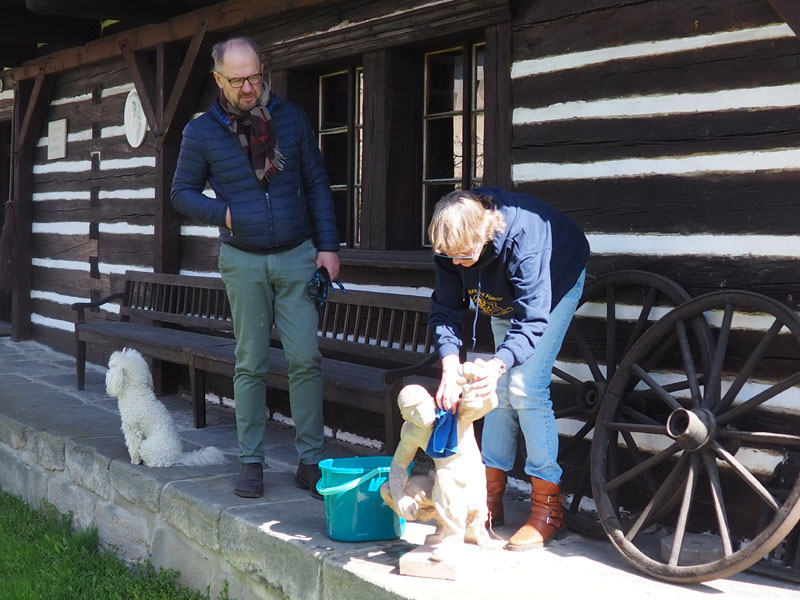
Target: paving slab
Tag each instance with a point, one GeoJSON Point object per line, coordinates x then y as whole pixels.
{"type": "Point", "coordinates": [276, 546]}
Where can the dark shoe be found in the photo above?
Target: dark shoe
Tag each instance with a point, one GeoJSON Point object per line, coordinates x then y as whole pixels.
{"type": "Point", "coordinates": [251, 481]}
{"type": "Point", "coordinates": [307, 477]}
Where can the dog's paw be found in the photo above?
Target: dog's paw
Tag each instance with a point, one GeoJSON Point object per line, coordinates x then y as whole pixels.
{"type": "Point", "coordinates": [136, 460]}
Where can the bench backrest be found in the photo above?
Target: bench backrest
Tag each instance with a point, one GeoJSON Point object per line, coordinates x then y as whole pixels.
{"type": "Point", "coordinates": [378, 328]}
{"type": "Point", "coordinates": [177, 299]}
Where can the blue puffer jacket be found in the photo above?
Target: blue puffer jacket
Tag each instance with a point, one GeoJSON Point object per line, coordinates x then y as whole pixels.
{"type": "Point", "coordinates": [296, 207]}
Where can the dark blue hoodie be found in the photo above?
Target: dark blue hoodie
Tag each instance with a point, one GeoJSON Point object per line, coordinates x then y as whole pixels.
{"type": "Point", "coordinates": [521, 275]}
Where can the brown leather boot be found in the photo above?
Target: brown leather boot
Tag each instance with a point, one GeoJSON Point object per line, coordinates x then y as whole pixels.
{"type": "Point", "coordinates": [495, 488]}
{"type": "Point", "coordinates": [547, 517]}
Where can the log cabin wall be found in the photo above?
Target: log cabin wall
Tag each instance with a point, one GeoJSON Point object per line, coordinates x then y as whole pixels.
{"type": "Point", "coordinates": [93, 209]}
{"type": "Point", "coordinates": [668, 129]}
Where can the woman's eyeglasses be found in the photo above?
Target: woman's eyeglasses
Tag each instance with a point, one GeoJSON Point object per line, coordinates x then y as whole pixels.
{"type": "Point", "coordinates": [238, 82]}
{"type": "Point", "coordinates": [459, 256]}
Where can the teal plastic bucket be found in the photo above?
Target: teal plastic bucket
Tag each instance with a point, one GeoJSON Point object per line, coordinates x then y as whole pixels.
{"type": "Point", "coordinates": [354, 509]}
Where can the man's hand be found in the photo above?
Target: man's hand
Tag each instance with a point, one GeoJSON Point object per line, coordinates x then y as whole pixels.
{"type": "Point", "coordinates": [329, 260]}
{"type": "Point", "coordinates": [228, 218]}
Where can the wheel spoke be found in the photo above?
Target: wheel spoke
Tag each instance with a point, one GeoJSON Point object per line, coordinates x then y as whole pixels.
{"type": "Point", "coordinates": [657, 429]}
{"type": "Point", "coordinates": [666, 490]}
{"type": "Point", "coordinates": [643, 320]}
{"type": "Point", "coordinates": [578, 495]}
{"type": "Point", "coordinates": [641, 468]}
{"type": "Point", "coordinates": [660, 392]}
{"type": "Point", "coordinates": [758, 399]}
{"type": "Point", "coordinates": [566, 376]}
{"type": "Point", "coordinates": [748, 368]}
{"type": "Point", "coordinates": [719, 505]}
{"type": "Point", "coordinates": [715, 375]}
{"type": "Point", "coordinates": [633, 448]}
{"type": "Point", "coordinates": [683, 515]}
{"type": "Point", "coordinates": [748, 477]}
{"type": "Point", "coordinates": [639, 417]}
{"type": "Point", "coordinates": [586, 352]}
{"type": "Point", "coordinates": [576, 439]}
{"type": "Point", "coordinates": [688, 364]}
{"type": "Point", "coordinates": [611, 331]}
{"type": "Point", "coordinates": [565, 413]}
{"type": "Point", "coordinates": [763, 438]}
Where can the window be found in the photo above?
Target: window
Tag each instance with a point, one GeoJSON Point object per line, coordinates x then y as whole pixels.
{"type": "Point", "coordinates": [341, 142]}
{"type": "Point", "coordinates": [453, 122]}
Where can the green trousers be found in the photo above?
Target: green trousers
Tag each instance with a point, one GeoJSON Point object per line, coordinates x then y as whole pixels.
{"type": "Point", "coordinates": [267, 289]}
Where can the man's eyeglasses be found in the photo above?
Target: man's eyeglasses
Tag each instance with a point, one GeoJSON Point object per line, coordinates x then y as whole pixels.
{"type": "Point", "coordinates": [238, 82]}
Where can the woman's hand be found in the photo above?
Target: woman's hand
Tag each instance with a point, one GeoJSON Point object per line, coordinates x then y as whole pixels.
{"type": "Point", "coordinates": [449, 391]}
{"type": "Point", "coordinates": [486, 374]}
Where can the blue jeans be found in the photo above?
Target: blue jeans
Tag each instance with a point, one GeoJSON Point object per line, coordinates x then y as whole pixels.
{"type": "Point", "coordinates": [523, 395]}
{"type": "Point", "coordinates": [264, 289]}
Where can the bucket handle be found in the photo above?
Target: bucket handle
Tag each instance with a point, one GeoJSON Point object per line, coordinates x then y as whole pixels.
{"type": "Point", "coordinates": [346, 487]}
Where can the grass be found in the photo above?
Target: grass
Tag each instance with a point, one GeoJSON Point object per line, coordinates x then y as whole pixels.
{"type": "Point", "coordinates": [41, 558]}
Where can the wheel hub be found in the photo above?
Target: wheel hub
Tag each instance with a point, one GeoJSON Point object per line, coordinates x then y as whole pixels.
{"type": "Point", "coordinates": [692, 429]}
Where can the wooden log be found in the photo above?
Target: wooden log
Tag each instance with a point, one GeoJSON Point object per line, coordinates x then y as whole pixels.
{"type": "Point", "coordinates": [553, 28]}
{"type": "Point", "coordinates": [745, 203]}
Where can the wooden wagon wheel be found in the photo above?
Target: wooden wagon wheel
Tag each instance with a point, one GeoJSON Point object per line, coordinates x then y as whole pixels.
{"type": "Point", "coordinates": [713, 435]}
{"type": "Point", "coordinates": [615, 310]}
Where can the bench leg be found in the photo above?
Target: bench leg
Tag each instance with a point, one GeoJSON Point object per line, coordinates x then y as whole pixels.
{"type": "Point", "coordinates": [197, 377]}
{"type": "Point", "coordinates": [80, 364]}
{"type": "Point", "coordinates": [393, 420]}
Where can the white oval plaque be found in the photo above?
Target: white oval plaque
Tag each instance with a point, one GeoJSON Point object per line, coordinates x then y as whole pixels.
{"type": "Point", "coordinates": [135, 121]}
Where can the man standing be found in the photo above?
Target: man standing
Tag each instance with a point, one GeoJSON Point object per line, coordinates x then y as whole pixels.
{"type": "Point", "coordinates": [275, 213]}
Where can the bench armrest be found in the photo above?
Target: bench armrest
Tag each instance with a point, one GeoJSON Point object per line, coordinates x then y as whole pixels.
{"type": "Point", "coordinates": [81, 306]}
{"type": "Point", "coordinates": [390, 375]}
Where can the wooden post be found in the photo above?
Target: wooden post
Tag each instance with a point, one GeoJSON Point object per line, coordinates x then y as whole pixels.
{"type": "Point", "coordinates": [789, 11]}
{"type": "Point", "coordinates": [30, 108]}
{"type": "Point", "coordinates": [498, 120]}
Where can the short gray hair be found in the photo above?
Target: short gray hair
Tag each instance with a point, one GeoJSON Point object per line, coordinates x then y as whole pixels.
{"type": "Point", "coordinates": [219, 49]}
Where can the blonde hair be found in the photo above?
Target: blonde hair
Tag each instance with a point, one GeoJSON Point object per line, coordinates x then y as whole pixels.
{"type": "Point", "coordinates": [462, 220]}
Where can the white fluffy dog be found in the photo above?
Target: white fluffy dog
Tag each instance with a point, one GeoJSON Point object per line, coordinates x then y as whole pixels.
{"type": "Point", "coordinates": [148, 427]}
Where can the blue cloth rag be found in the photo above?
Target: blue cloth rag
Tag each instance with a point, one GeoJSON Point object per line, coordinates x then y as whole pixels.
{"type": "Point", "coordinates": [444, 438]}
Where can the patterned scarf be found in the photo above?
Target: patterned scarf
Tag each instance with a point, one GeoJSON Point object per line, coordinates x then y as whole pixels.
{"type": "Point", "coordinates": [256, 133]}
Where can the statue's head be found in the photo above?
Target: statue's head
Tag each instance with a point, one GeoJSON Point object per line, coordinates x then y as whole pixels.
{"type": "Point", "coordinates": [417, 405]}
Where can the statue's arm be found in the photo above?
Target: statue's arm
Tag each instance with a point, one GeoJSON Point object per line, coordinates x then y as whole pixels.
{"type": "Point", "coordinates": [410, 439]}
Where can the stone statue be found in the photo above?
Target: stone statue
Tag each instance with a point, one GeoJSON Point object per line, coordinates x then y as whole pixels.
{"type": "Point", "coordinates": [454, 495]}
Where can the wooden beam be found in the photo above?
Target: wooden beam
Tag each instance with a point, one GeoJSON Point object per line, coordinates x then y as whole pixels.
{"type": "Point", "coordinates": [34, 97]}
{"type": "Point", "coordinates": [143, 81]}
{"type": "Point", "coordinates": [789, 11]}
{"type": "Point", "coordinates": [189, 68]}
{"type": "Point", "coordinates": [33, 112]}
{"type": "Point", "coordinates": [222, 17]}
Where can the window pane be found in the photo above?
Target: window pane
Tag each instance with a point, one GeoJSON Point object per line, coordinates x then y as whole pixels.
{"type": "Point", "coordinates": [334, 153]}
{"type": "Point", "coordinates": [480, 83]}
{"type": "Point", "coordinates": [477, 146]}
{"type": "Point", "coordinates": [333, 101]}
{"type": "Point", "coordinates": [359, 96]}
{"type": "Point", "coordinates": [357, 218]}
{"type": "Point", "coordinates": [340, 206]}
{"type": "Point", "coordinates": [432, 194]}
{"type": "Point", "coordinates": [445, 82]}
{"type": "Point", "coordinates": [444, 148]}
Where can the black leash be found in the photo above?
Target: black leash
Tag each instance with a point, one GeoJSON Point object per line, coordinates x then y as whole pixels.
{"type": "Point", "coordinates": [317, 288]}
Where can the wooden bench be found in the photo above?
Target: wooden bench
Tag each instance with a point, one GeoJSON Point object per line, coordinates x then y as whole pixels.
{"type": "Point", "coordinates": [369, 341]}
